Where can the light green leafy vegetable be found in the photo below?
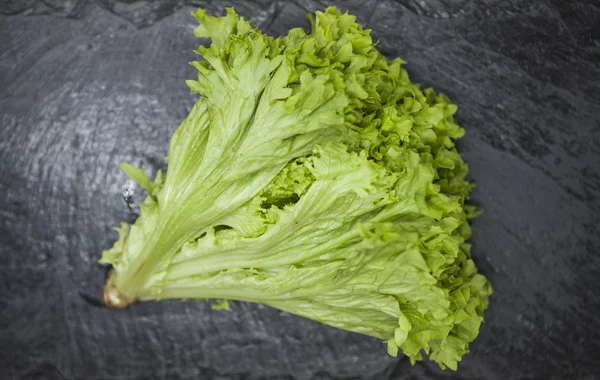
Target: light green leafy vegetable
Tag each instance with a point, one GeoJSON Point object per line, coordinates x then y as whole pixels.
{"type": "Point", "coordinates": [311, 176]}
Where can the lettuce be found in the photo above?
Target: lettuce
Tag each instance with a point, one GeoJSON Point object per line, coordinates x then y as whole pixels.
{"type": "Point", "coordinates": [312, 176]}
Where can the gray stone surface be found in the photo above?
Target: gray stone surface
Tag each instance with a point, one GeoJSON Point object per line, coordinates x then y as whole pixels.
{"type": "Point", "coordinates": [85, 85]}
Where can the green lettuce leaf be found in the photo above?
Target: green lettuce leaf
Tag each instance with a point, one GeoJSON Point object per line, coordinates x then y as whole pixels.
{"type": "Point", "coordinates": [312, 176]}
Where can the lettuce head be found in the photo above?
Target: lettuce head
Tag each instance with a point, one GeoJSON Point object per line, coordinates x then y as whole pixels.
{"type": "Point", "coordinates": [312, 176]}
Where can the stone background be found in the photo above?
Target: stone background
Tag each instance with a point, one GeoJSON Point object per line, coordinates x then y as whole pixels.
{"type": "Point", "coordinates": [85, 85]}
